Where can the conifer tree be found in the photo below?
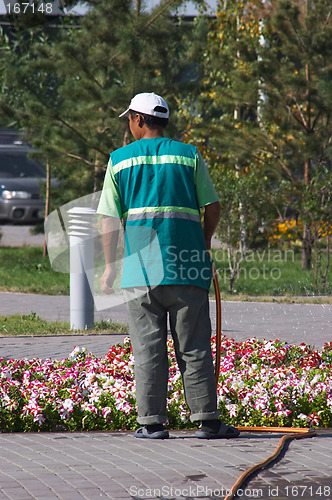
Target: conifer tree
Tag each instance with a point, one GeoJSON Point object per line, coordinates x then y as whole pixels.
{"type": "Point", "coordinates": [295, 70]}
{"type": "Point", "coordinates": [67, 85]}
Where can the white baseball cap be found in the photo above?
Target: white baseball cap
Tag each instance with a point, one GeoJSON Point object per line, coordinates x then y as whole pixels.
{"type": "Point", "coordinates": [147, 103]}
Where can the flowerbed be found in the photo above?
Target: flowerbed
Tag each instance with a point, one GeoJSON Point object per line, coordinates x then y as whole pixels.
{"type": "Point", "coordinates": [260, 383]}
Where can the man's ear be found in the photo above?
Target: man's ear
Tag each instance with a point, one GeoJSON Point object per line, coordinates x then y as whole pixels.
{"type": "Point", "coordinates": [140, 121]}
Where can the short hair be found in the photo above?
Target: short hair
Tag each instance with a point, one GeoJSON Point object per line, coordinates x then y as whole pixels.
{"type": "Point", "coordinates": [152, 121]}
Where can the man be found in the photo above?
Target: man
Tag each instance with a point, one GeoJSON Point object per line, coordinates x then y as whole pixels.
{"type": "Point", "coordinates": [157, 186]}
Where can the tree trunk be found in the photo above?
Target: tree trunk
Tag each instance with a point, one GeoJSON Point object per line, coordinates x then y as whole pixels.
{"type": "Point", "coordinates": [306, 237]}
{"type": "Point", "coordinates": [306, 247]}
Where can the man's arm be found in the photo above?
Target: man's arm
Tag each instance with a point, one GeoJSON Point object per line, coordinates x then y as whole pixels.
{"type": "Point", "coordinates": [110, 227]}
{"type": "Point", "coordinates": [211, 219]}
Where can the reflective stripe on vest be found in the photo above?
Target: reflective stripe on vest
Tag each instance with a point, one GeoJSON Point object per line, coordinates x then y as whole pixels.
{"type": "Point", "coordinates": [162, 213]}
{"type": "Point", "coordinates": [154, 160]}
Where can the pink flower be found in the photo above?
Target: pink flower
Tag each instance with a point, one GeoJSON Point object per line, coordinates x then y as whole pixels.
{"type": "Point", "coordinates": [89, 407]}
{"type": "Point", "coordinates": [260, 404]}
{"type": "Point", "coordinates": [124, 406]}
{"type": "Point", "coordinates": [119, 390]}
{"type": "Point", "coordinates": [279, 404]}
{"type": "Point", "coordinates": [314, 418]}
{"type": "Point", "coordinates": [283, 413]}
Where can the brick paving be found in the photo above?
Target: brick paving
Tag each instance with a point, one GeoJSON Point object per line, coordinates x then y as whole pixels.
{"type": "Point", "coordinates": [115, 465]}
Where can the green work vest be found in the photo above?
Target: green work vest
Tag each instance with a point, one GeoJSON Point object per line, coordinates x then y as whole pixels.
{"type": "Point", "coordinates": [164, 240]}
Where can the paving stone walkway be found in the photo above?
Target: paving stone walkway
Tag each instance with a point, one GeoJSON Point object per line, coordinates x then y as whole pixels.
{"type": "Point", "coordinates": [293, 323]}
{"type": "Point", "coordinates": [117, 466]}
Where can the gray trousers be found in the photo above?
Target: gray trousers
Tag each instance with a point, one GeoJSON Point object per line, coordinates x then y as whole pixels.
{"type": "Point", "coordinates": [188, 310]}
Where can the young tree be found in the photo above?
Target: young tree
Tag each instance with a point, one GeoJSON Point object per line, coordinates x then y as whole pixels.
{"type": "Point", "coordinates": [295, 71]}
{"type": "Point", "coordinates": [223, 121]}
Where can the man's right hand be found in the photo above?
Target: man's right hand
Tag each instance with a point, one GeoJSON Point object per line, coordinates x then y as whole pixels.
{"type": "Point", "coordinates": [107, 279]}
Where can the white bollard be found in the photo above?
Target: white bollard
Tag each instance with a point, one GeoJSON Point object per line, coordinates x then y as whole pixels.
{"type": "Point", "coordinates": [82, 230]}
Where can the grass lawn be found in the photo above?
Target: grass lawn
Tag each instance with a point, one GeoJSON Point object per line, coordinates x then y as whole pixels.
{"type": "Point", "coordinates": [31, 324]}
{"type": "Point", "coordinates": [24, 269]}
{"type": "Point", "coordinates": [263, 275]}
{"type": "Point", "coordinates": [271, 273]}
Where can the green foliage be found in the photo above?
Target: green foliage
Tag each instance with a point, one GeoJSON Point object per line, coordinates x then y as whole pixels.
{"type": "Point", "coordinates": [244, 207]}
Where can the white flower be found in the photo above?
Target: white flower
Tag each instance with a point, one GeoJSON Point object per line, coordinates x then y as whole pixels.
{"type": "Point", "coordinates": [232, 409]}
{"type": "Point", "coordinates": [302, 416]}
{"type": "Point", "coordinates": [6, 373]}
{"type": "Point", "coordinates": [269, 346]}
{"type": "Point", "coordinates": [68, 404]}
{"type": "Point", "coordinates": [108, 382]}
{"type": "Point", "coordinates": [315, 379]}
{"type": "Point", "coordinates": [94, 396]}
{"type": "Point", "coordinates": [279, 404]}
{"type": "Point", "coordinates": [39, 418]}
{"type": "Point", "coordinates": [10, 404]}
{"type": "Point", "coordinates": [75, 352]}
{"type": "Point", "coordinates": [237, 384]}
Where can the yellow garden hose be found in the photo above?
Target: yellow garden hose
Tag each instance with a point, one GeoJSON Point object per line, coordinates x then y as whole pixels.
{"type": "Point", "coordinates": [289, 432]}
